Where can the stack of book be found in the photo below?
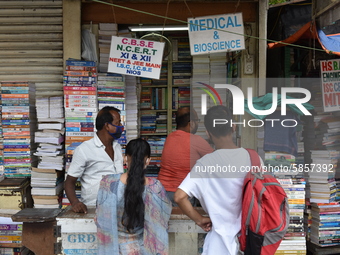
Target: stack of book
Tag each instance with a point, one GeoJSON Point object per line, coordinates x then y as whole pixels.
{"type": "Point", "coordinates": [294, 241]}
{"type": "Point", "coordinates": [183, 96]}
{"type": "Point", "coordinates": [105, 33]}
{"type": "Point", "coordinates": [11, 236]}
{"type": "Point", "coordinates": [80, 101]}
{"type": "Point", "coordinates": [131, 107]}
{"type": "Point", "coordinates": [111, 92]}
{"type": "Point", "coordinates": [47, 179]}
{"type": "Point", "coordinates": [181, 49]}
{"type": "Point", "coordinates": [148, 122]}
{"type": "Point", "coordinates": [18, 123]}
{"type": "Point", "coordinates": [322, 176]}
{"type": "Point", "coordinates": [156, 145]}
{"type": "Point", "coordinates": [283, 166]}
{"type": "Point", "coordinates": [47, 186]}
{"type": "Point", "coordinates": [51, 133]}
{"type": "Point", "coordinates": [325, 227]}
{"type": "Point", "coordinates": [161, 122]}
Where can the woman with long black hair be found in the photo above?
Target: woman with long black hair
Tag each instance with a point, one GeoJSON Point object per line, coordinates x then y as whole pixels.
{"type": "Point", "coordinates": [132, 210]}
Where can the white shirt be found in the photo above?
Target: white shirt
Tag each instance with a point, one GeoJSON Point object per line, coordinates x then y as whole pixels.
{"type": "Point", "coordinates": [220, 195]}
{"type": "Point", "coordinates": [90, 162]}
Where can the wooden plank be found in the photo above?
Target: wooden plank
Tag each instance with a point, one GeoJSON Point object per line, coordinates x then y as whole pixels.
{"type": "Point", "coordinates": [36, 215]}
{"type": "Point", "coordinates": [31, 12]}
{"type": "Point", "coordinates": [31, 45]}
{"type": "Point", "coordinates": [31, 28]}
{"type": "Point", "coordinates": [31, 53]}
{"type": "Point", "coordinates": [32, 37]}
{"type": "Point", "coordinates": [32, 20]}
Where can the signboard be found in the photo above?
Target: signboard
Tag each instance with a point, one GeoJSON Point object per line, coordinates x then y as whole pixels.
{"type": "Point", "coordinates": [330, 79]}
{"type": "Point", "coordinates": [217, 33]}
{"type": "Point", "coordinates": [136, 57]}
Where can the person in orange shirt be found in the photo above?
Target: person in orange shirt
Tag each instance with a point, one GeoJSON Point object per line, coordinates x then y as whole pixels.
{"type": "Point", "coordinates": [181, 150]}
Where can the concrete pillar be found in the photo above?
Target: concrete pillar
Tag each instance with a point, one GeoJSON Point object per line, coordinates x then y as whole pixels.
{"type": "Point", "coordinates": [72, 29]}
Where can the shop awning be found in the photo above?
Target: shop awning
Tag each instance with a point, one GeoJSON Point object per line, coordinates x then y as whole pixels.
{"type": "Point", "coordinates": [330, 43]}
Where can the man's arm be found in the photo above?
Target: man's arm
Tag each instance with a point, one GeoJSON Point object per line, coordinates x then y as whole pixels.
{"type": "Point", "coordinates": [181, 198]}
{"type": "Point", "coordinates": [70, 189]}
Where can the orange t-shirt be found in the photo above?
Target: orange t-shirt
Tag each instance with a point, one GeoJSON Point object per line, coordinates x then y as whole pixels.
{"type": "Point", "coordinates": [180, 153]}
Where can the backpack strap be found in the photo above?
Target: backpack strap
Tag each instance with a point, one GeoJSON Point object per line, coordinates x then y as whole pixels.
{"type": "Point", "coordinates": [255, 161]}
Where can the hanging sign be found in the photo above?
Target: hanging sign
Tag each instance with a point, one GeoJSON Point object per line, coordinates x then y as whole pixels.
{"type": "Point", "coordinates": [218, 33]}
{"type": "Point", "coordinates": [330, 84]}
{"type": "Point", "coordinates": [136, 57]}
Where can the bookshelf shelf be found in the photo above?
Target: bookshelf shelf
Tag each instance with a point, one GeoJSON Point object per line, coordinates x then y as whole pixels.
{"type": "Point", "coordinates": [165, 95]}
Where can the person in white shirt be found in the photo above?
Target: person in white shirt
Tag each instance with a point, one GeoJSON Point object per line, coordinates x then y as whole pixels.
{"type": "Point", "coordinates": [94, 158]}
{"type": "Point", "coordinates": [216, 181]}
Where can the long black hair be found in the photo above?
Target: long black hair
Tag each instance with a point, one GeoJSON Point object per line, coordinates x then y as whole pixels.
{"type": "Point", "coordinates": [133, 215]}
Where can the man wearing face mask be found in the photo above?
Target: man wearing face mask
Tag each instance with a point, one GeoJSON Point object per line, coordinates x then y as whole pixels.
{"type": "Point", "coordinates": [94, 158]}
{"type": "Point", "coordinates": [181, 150]}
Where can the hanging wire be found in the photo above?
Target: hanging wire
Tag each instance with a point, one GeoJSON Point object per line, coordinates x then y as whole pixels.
{"type": "Point", "coordinates": [166, 15]}
{"type": "Point", "coordinates": [113, 12]}
{"type": "Point", "coordinates": [236, 6]}
{"type": "Point", "coordinates": [192, 15]}
{"type": "Point", "coordinates": [217, 29]}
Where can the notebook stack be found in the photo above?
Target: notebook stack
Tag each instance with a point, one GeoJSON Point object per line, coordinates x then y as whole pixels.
{"type": "Point", "coordinates": [325, 227]}
{"type": "Point", "coordinates": [18, 125]}
{"type": "Point", "coordinates": [105, 33]}
{"type": "Point", "coordinates": [80, 100]}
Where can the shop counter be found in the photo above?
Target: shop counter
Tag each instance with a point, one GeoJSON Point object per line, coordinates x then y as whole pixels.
{"type": "Point", "coordinates": [55, 231]}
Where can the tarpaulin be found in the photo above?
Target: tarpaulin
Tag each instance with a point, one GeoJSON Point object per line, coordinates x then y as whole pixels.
{"type": "Point", "coordinates": [330, 43]}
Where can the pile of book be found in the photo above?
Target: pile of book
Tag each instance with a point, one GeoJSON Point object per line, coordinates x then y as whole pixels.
{"type": "Point", "coordinates": [105, 33]}
{"type": "Point", "coordinates": [131, 108]}
{"type": "Point", "coordinates": [322, 173]}
{"type": "Point", "coordinates": [283, 166]}
{"type": "Point", "coordinates": [80, 100]}
{"type": "Point", "coordinates": [148, 122]}
{"type": "Point", "coordinates": [18, 126]}
{"type": "Point", "coordinates": [325, 227]}
{"type": "Point", "coordinates": [47, 179]}
{"type": "Point", "coordinates": [11, 236]}
{"type": "Point", "coordinates": [156, 145]}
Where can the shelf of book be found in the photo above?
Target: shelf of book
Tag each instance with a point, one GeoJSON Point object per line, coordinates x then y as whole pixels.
{"type": "Point", "coordinates": [160, 98]}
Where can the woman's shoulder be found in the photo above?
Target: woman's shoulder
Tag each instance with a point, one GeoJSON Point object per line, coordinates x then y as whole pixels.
{"type": "Point", "coordinates": [108, 180]}
{"type": "Point", "coordinates": [154, 183]}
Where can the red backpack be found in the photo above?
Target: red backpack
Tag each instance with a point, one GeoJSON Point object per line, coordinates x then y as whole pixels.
{"type": "Point", "coordinates": [265, 211]}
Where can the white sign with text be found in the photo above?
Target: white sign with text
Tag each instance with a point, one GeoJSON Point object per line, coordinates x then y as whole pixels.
{"type": "Point", "coordinates": [217, 33]}
{"type": "Point", "coordinates": [136, 57]}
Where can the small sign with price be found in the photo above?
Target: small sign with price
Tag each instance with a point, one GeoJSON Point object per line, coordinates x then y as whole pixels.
{"type": "Point", "coordinates": [136, 57]}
